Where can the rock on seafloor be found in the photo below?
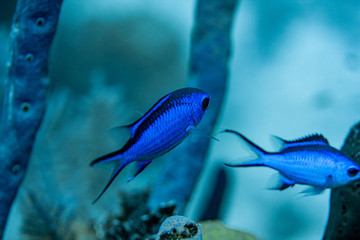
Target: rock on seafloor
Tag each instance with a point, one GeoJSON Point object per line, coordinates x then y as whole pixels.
{"type": "Point", "coordinates": [215, 230]}
{"type": "Point", "coordinates": [343, 222]}
{"type": "Point", "coordinates": [179, 227]}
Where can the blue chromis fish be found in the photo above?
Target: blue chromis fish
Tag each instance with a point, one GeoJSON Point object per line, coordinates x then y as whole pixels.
{"type": "Point", "coordinates": [309, 161]}
{"type": "Point", "coordinates": [158, 131]}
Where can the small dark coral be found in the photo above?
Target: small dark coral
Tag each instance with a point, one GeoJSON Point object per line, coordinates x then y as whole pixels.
{"type": "Point", "coordinates": [137, 222]}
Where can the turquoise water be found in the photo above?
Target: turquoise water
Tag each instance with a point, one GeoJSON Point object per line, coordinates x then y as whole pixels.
{"type": "Point", "coordinates": [294, 70]}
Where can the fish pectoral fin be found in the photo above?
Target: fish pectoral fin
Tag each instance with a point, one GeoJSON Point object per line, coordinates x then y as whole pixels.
{"type": "Point", "coordinates": [141, 165]}
{"type": "Point", "coordinates": [201, 133]}
{"type": "Point", "coordinates": [279, 182]}
{"type": "Point", "coordinates": [312, 190]}
{"type": "Point", "coordinates": [329, 181]}
{"type": "Point", "coordinates": [189, 128]}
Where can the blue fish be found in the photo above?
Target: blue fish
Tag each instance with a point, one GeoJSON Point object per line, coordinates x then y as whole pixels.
{"type": "Point", "coordinates": [309, 161]}
{"type": "Point", "coordinates": [161, 129]}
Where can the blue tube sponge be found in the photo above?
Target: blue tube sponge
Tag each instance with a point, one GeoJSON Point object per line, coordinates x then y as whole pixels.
{"type": "Point", "coordinates": [208, 70]}
{"type": "Point", "coordinates": [33, 29]}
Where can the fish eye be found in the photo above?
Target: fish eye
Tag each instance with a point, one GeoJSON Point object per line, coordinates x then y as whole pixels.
{"type": "Point", "coordinates": [351, 172]}
{"type": "Point", "coordinates": [205, 103]}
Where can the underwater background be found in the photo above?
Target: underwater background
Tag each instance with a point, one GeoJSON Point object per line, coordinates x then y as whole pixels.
{"type": "Point", "coordinates": [294, 70]}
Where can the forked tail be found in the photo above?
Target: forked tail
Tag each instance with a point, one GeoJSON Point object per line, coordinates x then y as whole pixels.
{"type": "Point", "coordinates": [106, 158]}
{"type": "Point", "coordinates": [255, 148]}
{"type": "Point", "coordinates": [120, 164]}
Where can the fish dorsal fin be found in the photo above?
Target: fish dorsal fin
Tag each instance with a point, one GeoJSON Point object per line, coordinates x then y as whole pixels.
{"type": "Point", "coordinates": [121, 134]}
{"type": "Point", "coordinates": [314, 139]}
{"type": "Point", "coordinates": [156, 106]}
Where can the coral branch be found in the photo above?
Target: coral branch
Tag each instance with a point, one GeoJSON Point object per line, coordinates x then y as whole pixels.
{"type": "Point", "coordinates": [343, 222]}
{"type": "Point", "coordinates": [33, 29]}
{"type": "Point", "coordinates": [208, 71]}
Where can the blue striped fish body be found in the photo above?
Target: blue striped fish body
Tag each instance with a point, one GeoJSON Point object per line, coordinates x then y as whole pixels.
{"type": "Point", "coordinates": [161, 129]}
{"type": "Point", "coordinates": [309, 161]}
{"type": "Point", "coordinates": [310, 165]}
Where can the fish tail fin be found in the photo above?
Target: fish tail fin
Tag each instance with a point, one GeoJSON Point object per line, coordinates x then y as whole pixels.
{"type": "Point", "coordinates": [107, 158]}
{"type": "Point", "coordinates": [112, 178]}
{"type": "Point", "coordinates": [114, 157]}
{"type": "Point", "coordinates": [258, 150]}
{"type": "Point", "coordinates": [255, 148]}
